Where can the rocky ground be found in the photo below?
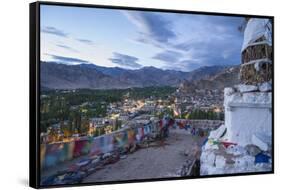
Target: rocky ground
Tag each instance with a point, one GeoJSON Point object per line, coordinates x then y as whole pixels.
{"type": "Point", "coordinates": [164, 160]}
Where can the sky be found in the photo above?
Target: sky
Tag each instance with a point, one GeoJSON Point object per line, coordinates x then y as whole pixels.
{"type": "Point", "coordinates": [135, 39]}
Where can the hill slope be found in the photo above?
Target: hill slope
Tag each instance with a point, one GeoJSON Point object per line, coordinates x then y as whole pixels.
{"type": "Point", "coordinates": [62, 76]}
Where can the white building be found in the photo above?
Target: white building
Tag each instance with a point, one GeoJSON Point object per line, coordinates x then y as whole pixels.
{"type": "Point", "coordinates": [243, 144]}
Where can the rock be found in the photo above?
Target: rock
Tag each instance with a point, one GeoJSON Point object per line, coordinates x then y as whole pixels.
{"type": "Point", "coordinates": [112, 159]}
{"type": "Point", "coordinates": [208, 157]}
{"type": "Point", "coordinates": [133, 148]}
{"type": "Point", "coordinates": [188, 166]}
{"type": "Point", "coordinates": [106, 155]}
{"type": "Point", "coordinates": [84, 162]}
{"type": "Point", "coordinates": [91, 170]}
{"type": "Point", "coordinates": [244, 161]}
{"type": "Point", "coordinates": [186, 152]}
{"type": "Point", "coordinates": [96, 161]}
{"type": "Point", "coordinates": [220, 161]}
{"type": "Point", "coordinates": [265, 87]}
{"type": "Point", "coordinates": [259, 143]}
{"type": "Point", "coordinates": [236, 150]}
{"type": "Point", "coordinates": [246, 88]}
{"type": "Point", "coordinates": [228, 91]}
{"type": "Point", "coordinates": [123, 156]}
{"type": "Point", "coordinates": [229, 161]}
{"type": "Point", "coordinates": [252, 150]}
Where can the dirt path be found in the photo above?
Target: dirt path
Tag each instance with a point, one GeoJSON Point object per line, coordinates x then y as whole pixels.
{"type": "Point", "coordinates": [152, 162]}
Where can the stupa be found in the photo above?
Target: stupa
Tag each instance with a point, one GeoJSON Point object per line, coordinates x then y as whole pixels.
{"type": "Point", "coordinates": [243, 143]}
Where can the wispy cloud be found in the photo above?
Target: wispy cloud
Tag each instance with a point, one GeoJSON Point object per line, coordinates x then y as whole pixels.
{"type": "Point", "coordinates": [212, 52]}
{"type": "Point", "coordinates": [124, 60]}
{"type": "Point", "coordinates": [189, 41]}
{"type": "Point", "coordinates": [66, 47]}
{"type": "Point", "coordinates": [176, 41]}
{"type": "Point", "coordinates": [67, 60]}
{"type": "Point", "coordinates": [54, 31]}
{"type": "Point", "coordinates": [170, 57]}
{"type": "Point", "coordinates": [183, 65]}
{"type": "Point", "coordinates": [189, 65]}
{"type": "Point", "coordinates": [85, 41]}
{"type": "Point", "coordinates": [152, 26]}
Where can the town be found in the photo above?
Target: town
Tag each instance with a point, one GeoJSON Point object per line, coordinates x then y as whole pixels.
{"type": "Point", "coordinates": [67, 118]}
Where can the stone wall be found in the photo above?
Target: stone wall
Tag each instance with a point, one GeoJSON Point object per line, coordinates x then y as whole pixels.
{"type": "Point", "coordinates": [202, 123]}
{"type": "Point", "coordinates": [256, 72]}
{"type": "Point", "coordinates": [55, 153]}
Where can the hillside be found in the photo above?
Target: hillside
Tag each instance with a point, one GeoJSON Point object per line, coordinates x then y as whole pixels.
{"type": "Point", "coordinates": [62, 76]}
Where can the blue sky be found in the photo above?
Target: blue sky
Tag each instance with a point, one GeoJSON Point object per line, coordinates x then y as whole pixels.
{"type": "Point", "coordinates": [135, 39]}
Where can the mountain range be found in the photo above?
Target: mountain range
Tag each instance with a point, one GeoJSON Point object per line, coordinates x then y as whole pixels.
{"type": "Point", "coordinates": [225, 78]}
{"type": "Point", "coordinates": [62, 76]}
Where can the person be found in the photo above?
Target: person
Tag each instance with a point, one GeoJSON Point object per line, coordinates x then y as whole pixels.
{"type": "Point", "coordinates": [166, 131]}
{"type": "Point", "coordinates": [193, 131]}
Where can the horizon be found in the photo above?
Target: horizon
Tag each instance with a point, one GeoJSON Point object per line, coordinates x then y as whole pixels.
{"type": "Point", "coordinates": [132, 69]}
{"type": "Point", "coordinates": [137, 39]}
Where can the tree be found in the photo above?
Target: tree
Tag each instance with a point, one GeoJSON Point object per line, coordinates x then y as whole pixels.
{"type": "Point", "coordinates": [84, 127]}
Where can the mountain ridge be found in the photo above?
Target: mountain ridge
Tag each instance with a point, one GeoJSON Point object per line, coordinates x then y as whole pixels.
{"type": "Point", "coordinates": [62, 76]}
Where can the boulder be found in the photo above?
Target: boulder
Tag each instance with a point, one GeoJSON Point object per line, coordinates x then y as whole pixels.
{"type": "Point", "coordinates": [252, 150]}
{"type": "Point", "coordinates": [106, 155]}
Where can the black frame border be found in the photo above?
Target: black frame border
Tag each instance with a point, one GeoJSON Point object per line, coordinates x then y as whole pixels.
{"type": "Point", "coordinates": [34, 92]}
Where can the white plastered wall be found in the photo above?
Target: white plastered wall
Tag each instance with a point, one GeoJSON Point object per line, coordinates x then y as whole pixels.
{"type": "Point", "coordinates": [245, 117]}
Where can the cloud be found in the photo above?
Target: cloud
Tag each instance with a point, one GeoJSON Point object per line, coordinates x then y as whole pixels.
{"type": "Point", "coordinates": [189, 41]}
{"type": "Point", "coordinates": [54, 31]}
{"type": "Point", "coordinates": [213, 52]}
{"type": "Point", "coordinates": [216, 41]}
{"type": "Point", "coordinates": [152, 26]}
{"type": "Point", "coordinates": [67, 60]}
{"type": "Point", "coordinates": [85, 41]}
{"type": "Point", "coordinates": [66, 47]}
{"type": "Point", "coordinates": [192, 55]}
{"type": "Point", "coordinates": [183, 65]}
{"type": "Point", "coordinates": [169, 57]}
{"type": "Point", "coordinates": [189, 65]}
{"type": "Point", "coordinates": [125, 60]}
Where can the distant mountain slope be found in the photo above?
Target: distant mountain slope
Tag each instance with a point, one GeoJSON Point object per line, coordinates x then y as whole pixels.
{"type": "Point", "coordinates": [206, 72]}
{"type": "Point", "coordinates": [112, 71]}
{"type": "Point", "coordinates": [225, 78]}
{"type": "Point", "coordinates": [62, 76]}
